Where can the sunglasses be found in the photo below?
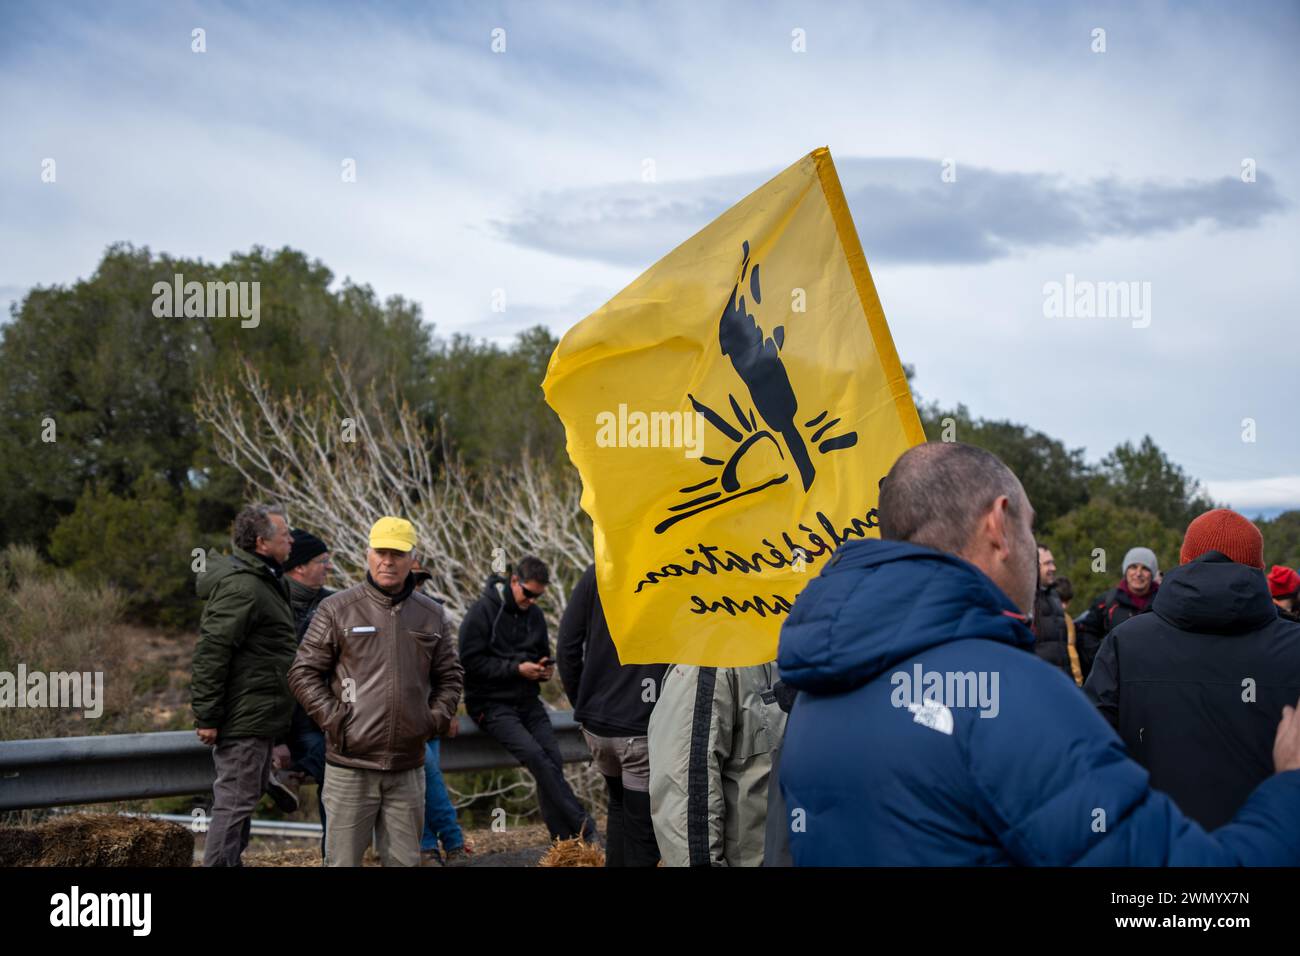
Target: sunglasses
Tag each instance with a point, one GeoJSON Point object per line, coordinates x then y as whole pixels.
{"type": "Point", "coordinates": [529, 595]}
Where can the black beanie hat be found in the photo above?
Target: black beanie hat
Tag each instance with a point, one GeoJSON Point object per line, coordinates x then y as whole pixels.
{"type": "Point", "coordinates": [305, 547]}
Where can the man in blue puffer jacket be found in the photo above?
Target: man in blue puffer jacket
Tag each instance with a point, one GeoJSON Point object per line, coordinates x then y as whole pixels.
{"type": "Point", "coordinates": [926, 732]}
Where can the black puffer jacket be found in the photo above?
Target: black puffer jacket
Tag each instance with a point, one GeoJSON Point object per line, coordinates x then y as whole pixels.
{"type": "Point", "coordinates": [1108, 612]}
{"type": "Point", "coordinates": [1051, 636]}
{"type": "Point", "coordinates": [495, 638]}
{"type": "Point", "coordinates": [609, 699]}
{"type": "Point", "coordinates": [1197, 687]}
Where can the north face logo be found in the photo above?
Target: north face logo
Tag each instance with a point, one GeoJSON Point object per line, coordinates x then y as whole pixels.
{"type": "Point", "coordinates": [933, 715]}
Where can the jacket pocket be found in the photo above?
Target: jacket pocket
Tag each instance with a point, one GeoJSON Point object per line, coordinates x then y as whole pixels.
{"type": "Point", "coordinates": [756, 721]}
{"type": "Point", "coordinates": [338, 736]}
{"type": "Point", "coordinates": [425, 642]}
{"type": "Point", "coordinates": [752, 737]}
{"type": "Point", "coordinates": [334, 737]}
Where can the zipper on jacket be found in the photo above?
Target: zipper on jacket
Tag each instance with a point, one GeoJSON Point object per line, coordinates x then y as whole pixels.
{"type": "Point", "coordinates": [392, 684]}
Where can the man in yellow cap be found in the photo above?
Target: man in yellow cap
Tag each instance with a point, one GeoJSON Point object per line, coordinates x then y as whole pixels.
{"type": "Point", "coordinates": [379, 673]}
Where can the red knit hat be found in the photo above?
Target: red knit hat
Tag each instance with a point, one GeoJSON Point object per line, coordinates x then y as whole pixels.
{"type": "Point", "coordinates": [1225, 531]}
{"type": "Point", "coordinates": [1283, 582]}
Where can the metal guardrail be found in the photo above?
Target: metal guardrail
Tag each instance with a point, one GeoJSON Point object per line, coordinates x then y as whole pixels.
{"type": "Point", "coordinates": [258, 828]}
{"type": "Point", "coordinates": [66, 771]}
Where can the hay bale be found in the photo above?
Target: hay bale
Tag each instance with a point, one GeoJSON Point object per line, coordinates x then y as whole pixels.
{"type": "Point", "coordinates": [98, 840]}
{"type": "Point", "coordinates": [573, 852]}
{"type": "Point", "coordinates": [19, 846]}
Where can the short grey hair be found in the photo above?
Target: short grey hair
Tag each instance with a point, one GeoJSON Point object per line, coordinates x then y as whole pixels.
{"type": "Point", "coordinates": [414, 553]}
{"type": "Point", "coordinates": [253, 522]}
{"type": "Point", "coordinates": [936, 493]}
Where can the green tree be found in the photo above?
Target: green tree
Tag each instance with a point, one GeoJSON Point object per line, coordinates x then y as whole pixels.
{"type": "Point", "coordinates": [1145, 478]}
{"type": "Point", "coordinates": [488, 401]}
{"type": "Point", "coordinates": [117, 382]}
{"type": "Point", "coordinates": [1056, 478]}
{"type": "Point", "coordinates": [141, 542]}
{"type": "Point", "coordinates": [91, 368]}
{"type": "Point", "coordinates": [1281, 540]}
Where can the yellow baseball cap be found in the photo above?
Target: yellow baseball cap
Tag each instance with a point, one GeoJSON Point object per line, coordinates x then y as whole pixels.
{"type": "Point", "coordinates": [395, 533]}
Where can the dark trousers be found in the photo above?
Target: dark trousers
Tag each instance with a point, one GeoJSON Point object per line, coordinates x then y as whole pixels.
{"type": "Point", "coordinates": [307, 747]}
{"type": "Point", "coordinates": [243, 766]}
{"type": "Point", "coordinates": [629, 832]}
{"type": "Point", "coordinates": [525, 730]}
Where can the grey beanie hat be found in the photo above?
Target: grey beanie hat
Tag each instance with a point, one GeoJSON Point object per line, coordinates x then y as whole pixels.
{"type": "Point", "coordinates": [1143, 556]}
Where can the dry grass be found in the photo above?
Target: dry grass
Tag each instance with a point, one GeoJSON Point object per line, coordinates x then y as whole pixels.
{"type": "Point", "coordinates": [97, 840]}
{"type": "Point", "coordinates": [573, 852]}
{"type": "Point", "coordinates": [483, 842]}
{"type": "Point", "coordinates": [297, 855]}
{"type": "Point", "coordinates": [56, 623]}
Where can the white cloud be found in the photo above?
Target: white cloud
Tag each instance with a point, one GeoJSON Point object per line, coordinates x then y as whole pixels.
{"type": "Point", "coordinates": [904, 212]}
{"type": "Point", "coordinates": [1282, 492]}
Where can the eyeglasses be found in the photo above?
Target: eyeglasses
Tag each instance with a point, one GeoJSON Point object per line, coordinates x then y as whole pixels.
{"type": "Point", "coordinates": [529, 595]}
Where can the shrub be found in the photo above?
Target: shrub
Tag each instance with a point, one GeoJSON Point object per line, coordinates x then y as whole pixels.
{"type": "Point", "coordinates": [141, 543]}
{"type": "Point", "coordinates": [56, 622]}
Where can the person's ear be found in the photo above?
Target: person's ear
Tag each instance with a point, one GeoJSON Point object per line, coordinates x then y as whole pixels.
{"type": "Point", "coordinates": [1000, 523]}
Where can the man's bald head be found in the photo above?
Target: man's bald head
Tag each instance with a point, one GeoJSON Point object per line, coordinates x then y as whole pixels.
{"type": "Point", "coordinates": [936, 493]}
{"type": "Point", "coordinates": [963, 500]}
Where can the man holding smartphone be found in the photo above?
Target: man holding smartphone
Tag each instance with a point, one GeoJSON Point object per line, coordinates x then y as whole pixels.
{"type": "Point", "coordinates": [506, 654]}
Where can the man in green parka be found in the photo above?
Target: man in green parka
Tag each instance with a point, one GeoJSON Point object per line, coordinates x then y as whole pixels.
{"type": "Point", "coordinates": [240, 686]}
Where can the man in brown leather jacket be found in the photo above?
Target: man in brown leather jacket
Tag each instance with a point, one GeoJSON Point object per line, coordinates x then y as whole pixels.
{"type": "Point", "coordinates": [379, 673]}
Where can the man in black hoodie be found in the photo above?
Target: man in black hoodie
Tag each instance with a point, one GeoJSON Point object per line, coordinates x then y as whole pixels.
{"type": "Point", "coordinates": [506, 655]}
{"type": "Point", "coordinates": [1052, 638]}
{"type": "Point", "coordinates": [1196, 687]}
{"type": "Point", "coordinates": [612, 702]}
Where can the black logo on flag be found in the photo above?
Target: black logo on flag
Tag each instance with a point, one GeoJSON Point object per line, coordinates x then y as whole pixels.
{"type": "Point", "coordinates": [757, 361]}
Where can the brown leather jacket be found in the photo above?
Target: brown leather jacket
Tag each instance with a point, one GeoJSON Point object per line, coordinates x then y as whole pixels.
{"type": "Point", "coordinates": [379, 678]}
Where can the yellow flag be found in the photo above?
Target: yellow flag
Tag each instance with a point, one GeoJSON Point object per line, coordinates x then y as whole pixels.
{"type": "Point", "coordinates": [731, 413]}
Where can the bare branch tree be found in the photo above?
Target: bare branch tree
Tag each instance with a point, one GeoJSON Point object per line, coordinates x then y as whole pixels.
{"type": "Point", "coordinates": [340, 461]}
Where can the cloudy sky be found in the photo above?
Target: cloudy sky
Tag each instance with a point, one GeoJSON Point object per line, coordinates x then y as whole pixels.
{"type": "Point", "coordinates": [604, 135]}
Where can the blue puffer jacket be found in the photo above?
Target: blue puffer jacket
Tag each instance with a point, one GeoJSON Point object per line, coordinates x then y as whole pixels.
{"type": "Point", "coordinates": [886, 777]}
